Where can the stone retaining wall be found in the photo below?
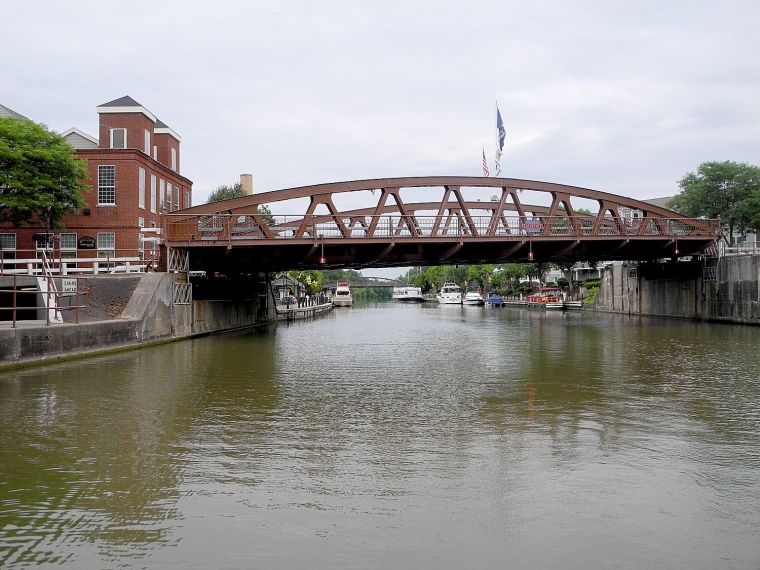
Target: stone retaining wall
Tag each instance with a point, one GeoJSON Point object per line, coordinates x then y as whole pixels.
{"type": "Point", "coordinates": [149, 316]}
{"type": "Point", "coordinates": [728, 291]}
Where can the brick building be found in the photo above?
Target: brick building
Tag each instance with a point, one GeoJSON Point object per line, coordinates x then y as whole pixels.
{"type": "Point", "coordinates": [134, 179]}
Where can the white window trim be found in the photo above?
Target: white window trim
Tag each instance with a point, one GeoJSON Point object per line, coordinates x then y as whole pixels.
{"type": "Point", "coordinates": [146, 148]}
{"type": "Point", "coordinates": [106, 248]}
{"type": "Point", "coordinates": [114, 185]}
{"type": "Point", "coordinates": [15, 241]}
{"type": "Point", "coordinates": [74, 248]}
{"type": "Point", "coordinates": [125, 135]}
{"type": "Point", "coordinates": [153, 193]}
{"type": "Point", "coordinates": [174, 159]}
{"type": "Point", "coordinates": [141, 188]}
{"type": "Point", "coordinates": [162, 194]}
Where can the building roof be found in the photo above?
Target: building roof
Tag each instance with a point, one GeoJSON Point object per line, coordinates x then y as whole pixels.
{"type": "Point", "coordinates": [8, 112]}
{"type": "Point", "coordinates": [162, 128]}
{"type": "Point", "coordinates": [79, 139]}
{"type": "Point", "coordinates": [125, 101]}
{"type": "Point", "coordinates": [125, 105]}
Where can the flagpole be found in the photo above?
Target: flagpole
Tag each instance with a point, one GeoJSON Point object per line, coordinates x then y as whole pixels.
{"type": "Point", "coordinates": [496, 140]}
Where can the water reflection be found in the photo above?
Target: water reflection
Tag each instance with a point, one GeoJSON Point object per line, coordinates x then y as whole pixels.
{"type": "Point", "coordinates": [406, 436]}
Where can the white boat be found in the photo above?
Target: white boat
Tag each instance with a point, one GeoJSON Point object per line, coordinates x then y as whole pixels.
{"type": "Point", "coordinates": [450, 294]}
{"type": "Point", "coordinates": [473, 298]}
{"type": "Point", "coordinates": [573, 304]}
{"type": "Point", "coordinates": [343, 296]}
{"type": "Point", "coordinates": [408, 294]}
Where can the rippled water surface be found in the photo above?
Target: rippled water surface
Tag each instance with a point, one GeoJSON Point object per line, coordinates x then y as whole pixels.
{"type": "Point", "coordinates": [393, 436]}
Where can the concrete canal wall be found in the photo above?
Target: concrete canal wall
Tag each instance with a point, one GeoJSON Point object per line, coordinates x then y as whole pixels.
{"type": "Point", "coordinates": [149, 316]}
{"type": "Point", "coordinates": [726, 291]}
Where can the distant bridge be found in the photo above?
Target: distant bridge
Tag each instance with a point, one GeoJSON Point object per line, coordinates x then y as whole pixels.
{"type": "Point", "coordinates": [233, 236]}
{"type": "Point", "coordinates": [370, 283]}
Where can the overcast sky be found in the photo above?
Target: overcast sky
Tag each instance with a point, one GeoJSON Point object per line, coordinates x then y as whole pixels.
{"type": "Point", "coordinates": [624, 97]}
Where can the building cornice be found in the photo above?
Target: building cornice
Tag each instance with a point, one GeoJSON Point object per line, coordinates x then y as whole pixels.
{"type": "Point", "coordinates": [143, 110]}
{"type": "Point", "coordinates": [139, 155]}
{"type": "Point", "coordinates": [167, 131]}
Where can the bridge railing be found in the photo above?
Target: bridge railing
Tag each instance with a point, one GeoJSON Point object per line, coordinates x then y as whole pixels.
{"type": "Point", "coordinates": [225, 227]}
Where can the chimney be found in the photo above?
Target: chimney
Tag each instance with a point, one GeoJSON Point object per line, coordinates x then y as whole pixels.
{"type": "Point", "coordinates": [246, 181]}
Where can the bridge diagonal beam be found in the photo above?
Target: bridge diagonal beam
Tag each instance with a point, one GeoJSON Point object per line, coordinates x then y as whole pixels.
{"type": "Point", "coordinates": [497, 214]}
{"type": "Point", "coordinates": [441, 209]}
{"type": "Point", "coordinates": [457, 191]}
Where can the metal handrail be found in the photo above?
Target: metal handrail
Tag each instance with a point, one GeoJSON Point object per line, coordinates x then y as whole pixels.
{"type": "Point", "coordinates": [51, 291]}
{"type": "Point", "coordinates": [230, 227]}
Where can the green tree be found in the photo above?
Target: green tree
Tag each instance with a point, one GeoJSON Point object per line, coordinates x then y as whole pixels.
{"type": "Point", "coordinates": [750, 208]}
{"type": "Point", "coordinates": [41, 179]}
{"type": "Point", "coordinates": [720, 189]}
{"type": "Point", "coordinates": [266, 213]}
{"type": "Point", "coordinates": [226, 192]}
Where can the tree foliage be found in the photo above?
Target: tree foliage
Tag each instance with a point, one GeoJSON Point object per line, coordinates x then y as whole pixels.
{"type": "Point", "coordinates": [729, 190]}
{"type": "Point", "coordinates": [41, 179]}
{"type": "Point", "coordinates": [230, 191]}
{"type": "Point", "coordinates": [503, 277]}
{"type": "Point", "coordinates": [266, 213]}
{"type": "Point", "coordinates": [226, 192]}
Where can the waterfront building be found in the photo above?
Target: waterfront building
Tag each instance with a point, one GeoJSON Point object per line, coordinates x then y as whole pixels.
{"type": "Point", "coordinates": [134, 180]}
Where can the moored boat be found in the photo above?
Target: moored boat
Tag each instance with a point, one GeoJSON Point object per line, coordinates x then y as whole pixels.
{"type": "Point", "coordinates": [546, 298]}
{"type": "Point", "coordinates": [473, 298]}
{"type": "Point", "coordinates": [343, 297]}
{"type": "Point", "coordinates": [494, 299]}
{"type": "Point", "coordinates": [408, 294]}
{"type": "Point", "coordinates": [450, 294]}
{"type": "Point", "coordinates": [574, 304]}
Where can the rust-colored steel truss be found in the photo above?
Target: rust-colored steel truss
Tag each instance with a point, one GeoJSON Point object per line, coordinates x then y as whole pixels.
{"type": "Point", "coordinates": [234, 234]}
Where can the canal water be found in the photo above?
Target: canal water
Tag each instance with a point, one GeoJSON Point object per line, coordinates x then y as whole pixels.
{"type": "Point", "coordinates": [392, 436]}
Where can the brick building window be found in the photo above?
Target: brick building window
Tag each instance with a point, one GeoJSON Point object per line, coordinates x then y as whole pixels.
{"type": "Point", "coordinates": [169, 196]}
{"type": "Point", "coordinates": [176, 197]}
{"type": "Point", "coordinates": [8, 246]}
{"type": "Point", "coordinates": [187, 199]}
{"type": "Point", "coordinates": [141, 197]}
{"type": "Point", "coordinates": [162, 194]}
{"type": "Point", "coordinates": [106, 244]}
{"type": "Point", "coordinates": [153, 193]}
{"type": "Point", "coordinates": [68, 245]}
{"type": "Point", "coordinates": [106, 185]}
{"type": "Point", "coordinates": [147, 142]}
{"type": "Point", "coordinates": [118, 138]}
{"type": "Point", "coordinates": [174, 159]}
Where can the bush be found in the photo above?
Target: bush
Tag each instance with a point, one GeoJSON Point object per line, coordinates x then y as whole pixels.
{"type": "Point", "coordinates": [593, 283]}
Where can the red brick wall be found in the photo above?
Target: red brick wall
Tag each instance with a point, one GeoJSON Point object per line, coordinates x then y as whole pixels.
{"type": "Point", "coordinates": [135, 123]}
{"type": "Point", "coordinates": [165, 143]}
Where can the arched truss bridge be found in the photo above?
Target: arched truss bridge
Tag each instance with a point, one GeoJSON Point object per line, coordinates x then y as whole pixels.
{"type": "Point", "coordinates": [510, 220]}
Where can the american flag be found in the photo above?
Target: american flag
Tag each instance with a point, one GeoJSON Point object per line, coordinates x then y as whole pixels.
{"type": "Point", "coordinates": [485, 164]}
